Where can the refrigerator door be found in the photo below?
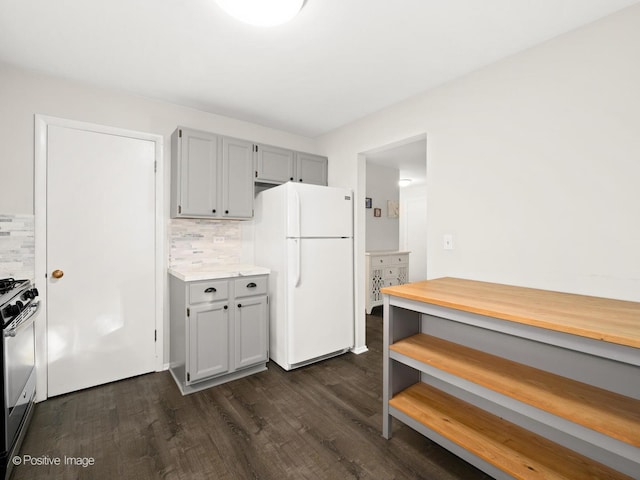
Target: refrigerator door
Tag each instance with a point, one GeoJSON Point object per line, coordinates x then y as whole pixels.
{"type": "Point", "coordinates": [320, 298]}
{"type": "Point", "coordinates": [318, 211]}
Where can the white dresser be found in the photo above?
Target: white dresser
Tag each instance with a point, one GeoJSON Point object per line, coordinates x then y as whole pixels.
{"type": "Point", "coordinates": [384, 269]}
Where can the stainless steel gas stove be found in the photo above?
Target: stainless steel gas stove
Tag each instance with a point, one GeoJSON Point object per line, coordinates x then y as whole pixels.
{"type": "Point", "coordinates": [19, 306]}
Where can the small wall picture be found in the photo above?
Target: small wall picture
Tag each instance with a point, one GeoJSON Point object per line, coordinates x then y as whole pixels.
{"type": "Point", "coordinates": [367, 202]}
{"type": "Point", "coordinates": [377, 212]}
{"type": "Point", "coordinates": [393, 209]}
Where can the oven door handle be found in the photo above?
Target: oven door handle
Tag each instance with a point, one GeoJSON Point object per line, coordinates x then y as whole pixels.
{"type": "Point", "coordinates": [27, 319]}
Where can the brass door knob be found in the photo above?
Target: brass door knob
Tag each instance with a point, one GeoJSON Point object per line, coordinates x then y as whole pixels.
{"type": "Point", "coordinates": [57, 274]}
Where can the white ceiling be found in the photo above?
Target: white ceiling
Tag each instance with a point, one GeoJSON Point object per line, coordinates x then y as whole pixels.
{"type": "Point", "coordinates": [338, 61]}
{"type": "Point", "coordinates": [410, 159]}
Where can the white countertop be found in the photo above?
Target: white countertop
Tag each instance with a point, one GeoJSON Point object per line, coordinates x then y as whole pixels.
{"type": "Point", "coordinates": [191, 273]}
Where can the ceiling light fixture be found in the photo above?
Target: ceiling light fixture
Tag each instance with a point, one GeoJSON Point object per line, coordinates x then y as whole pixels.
{"type": "Point", "coordinates": [262, 13]}
{"type": "Point", "coordinates": [403, 182]}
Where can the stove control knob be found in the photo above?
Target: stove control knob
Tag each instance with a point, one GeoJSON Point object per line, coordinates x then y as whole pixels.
{"type": "Point", "coordinates": [34, 290]}
{"type": "Point", "coordinates": [28, 295]}
{"type": "Point", "coordinates": [19, 305]}
{"type": "Point", "coordinates": [10, 311]}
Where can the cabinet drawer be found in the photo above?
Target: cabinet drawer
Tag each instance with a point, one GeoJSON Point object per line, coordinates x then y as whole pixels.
{"type": "Point", "coordinates": [398, 259]}
{"type": "Point", "coordinates": [250, 286]}
{"type": "Point", "coordinates": [208, 291]}
{"type": "Point", "coordinates": [390, 272]}
{"type": "Point", "coordinates": [381, 260]}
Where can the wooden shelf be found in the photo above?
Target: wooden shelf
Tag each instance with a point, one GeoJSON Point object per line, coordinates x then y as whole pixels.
{"type": "Point", "coordinates": [614, 321]}
{"type": "Point", "coordinates": [609, 413]}
{"type": "Point", "coordinates": [459, 384]}
{"type": "Point", "coordinates": [519, 452]}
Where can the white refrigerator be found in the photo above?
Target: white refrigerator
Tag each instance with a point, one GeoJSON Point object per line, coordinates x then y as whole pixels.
{"type": "Point", "coordinates": [304, 234]}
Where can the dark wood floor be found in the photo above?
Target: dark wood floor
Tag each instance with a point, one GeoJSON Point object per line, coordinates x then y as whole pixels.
{"type": "Point", "coordinates": [319, 422]}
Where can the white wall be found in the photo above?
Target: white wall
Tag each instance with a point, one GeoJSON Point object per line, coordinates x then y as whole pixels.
{"type": "Point", "coordinates": [413, 229]}
{"type": "Point", "coordinates": [382, 185]}
{"type": "Point", "coordinates": [23, 94]}
{"type": "Point", "coordinates": [532, 163]}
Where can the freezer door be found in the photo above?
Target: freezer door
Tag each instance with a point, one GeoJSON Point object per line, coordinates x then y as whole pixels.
{"type": "Point", "coordinates": [320, 300]}
{"type": "Point", "coordinates": [319, 211]}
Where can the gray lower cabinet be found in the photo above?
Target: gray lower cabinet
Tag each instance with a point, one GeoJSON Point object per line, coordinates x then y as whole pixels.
{"type": "Point", "coordinates": [208, 346]}
{"type": "Point", "coordinates": [211, 176]}
{"type": "Point", "coordinates": [219, 330]}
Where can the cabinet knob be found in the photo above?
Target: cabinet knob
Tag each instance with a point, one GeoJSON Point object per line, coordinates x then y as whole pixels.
{"type": "Point", "coordinates": [251, 285]}
{"type": "Point", "coordinates": [213, 211]}
{"type": "Point", "coordinates": [226, 211]}
{"type": "Point", "coordinates": [300, 180]}
{"type": "Point", "coordinates": [239, 305]}
{"type": "Point", "coordinates": [290, 178]}
{"type": "Point", "coordinates": [210, 290]}
{"type": "Point", "coordinates": [226, 306]}
{"type": "Point", "coordinates": [57, 274]}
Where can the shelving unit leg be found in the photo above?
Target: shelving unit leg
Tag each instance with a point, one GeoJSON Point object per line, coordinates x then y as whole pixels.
{"type": "Point", "coordinates": [398, 323]}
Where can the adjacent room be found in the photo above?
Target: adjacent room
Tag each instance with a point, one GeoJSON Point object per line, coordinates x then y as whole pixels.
{"type": "Point", "coordinates": [178, 179]}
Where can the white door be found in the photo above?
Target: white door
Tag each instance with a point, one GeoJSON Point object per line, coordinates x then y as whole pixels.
{"type": "Point", "coordinates": [320, 300]}
{"type": "Point", "coordinates": [100, 224]}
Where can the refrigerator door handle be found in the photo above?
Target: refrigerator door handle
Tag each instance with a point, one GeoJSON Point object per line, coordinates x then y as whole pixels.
{"type": "Point", "coordinates": [295, 213]}
{"type": "Point", "coordinates": [297, 260]}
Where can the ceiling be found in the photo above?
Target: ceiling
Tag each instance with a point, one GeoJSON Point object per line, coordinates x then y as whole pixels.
{"type": "Point", "coordinates": [410, 159]}
{"type": "Point", "coordinates": [336, 62]}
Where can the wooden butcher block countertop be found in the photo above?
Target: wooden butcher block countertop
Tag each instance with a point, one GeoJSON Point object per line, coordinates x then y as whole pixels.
{"type": "Point", "coordinates": [614, 321]}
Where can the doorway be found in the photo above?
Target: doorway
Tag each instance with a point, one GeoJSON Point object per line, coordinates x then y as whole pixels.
{"type": "Point", "coordinates": [98, 254]}
{"type": "Point", "coordinates": [385, 166]}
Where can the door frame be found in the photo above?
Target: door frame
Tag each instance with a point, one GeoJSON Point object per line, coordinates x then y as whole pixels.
{"type": "Point", "coordinates": [360, 232]}
{"type": "Point", "coordinates": [42, 122]}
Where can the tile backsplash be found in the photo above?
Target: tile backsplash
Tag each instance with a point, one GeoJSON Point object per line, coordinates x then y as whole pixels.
{"type": "Point", "coordinates": [191, 242]}
{"type": "Point", "coordinates": [204, 242]}
{"type": "Point", "coordinates": [17, 246]}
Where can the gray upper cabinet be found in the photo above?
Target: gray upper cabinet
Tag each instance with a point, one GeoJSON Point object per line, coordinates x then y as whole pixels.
{"type": "Point", "coordinates": [311, 168]}
{"type": "Point", "coordinates": [277, 165]}
{"type": "Point", "coordinates": [194, 173]}
{"type": "Point", "coordinates": [211, 176]}
{"type": "Point", "coordinates": [237, 178]}
{"type": "Point", "coordinates": [273, 164]}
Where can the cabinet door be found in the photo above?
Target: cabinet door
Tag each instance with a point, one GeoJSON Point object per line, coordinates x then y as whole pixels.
{"type": "Point", "coordinates": [311, 168]}
{"type": "Point", "coordinates": [208, 341]}
{"type": "Point", "coordinates": [273, 164]}
{"type": "Point", "coordinates": [251, 324]}
{"type": "Point", "coordinates": [237, 178]}
{"type": "Point", "coordinates": [198, 173]}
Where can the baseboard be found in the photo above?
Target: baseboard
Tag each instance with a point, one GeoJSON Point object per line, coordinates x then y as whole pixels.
{"type": "Point", "coordinates": [359, 350]}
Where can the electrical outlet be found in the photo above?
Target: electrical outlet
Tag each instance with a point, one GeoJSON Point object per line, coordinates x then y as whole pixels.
{"type": "Point", "coordinates": [218, 240]}
{"type": "Point", "coordinates": [447, 241]}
